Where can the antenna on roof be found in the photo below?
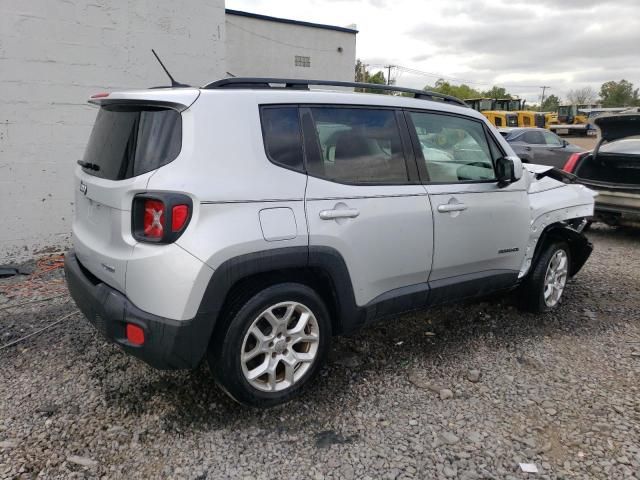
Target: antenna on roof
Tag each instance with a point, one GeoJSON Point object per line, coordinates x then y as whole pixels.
{"type": "Point", "coordinates": [173, 82]}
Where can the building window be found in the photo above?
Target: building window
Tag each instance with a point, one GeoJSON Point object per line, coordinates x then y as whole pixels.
{"type": "Point", "coordinates": [302, 61]}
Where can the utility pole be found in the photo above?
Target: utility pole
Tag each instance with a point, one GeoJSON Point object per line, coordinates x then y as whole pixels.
{"type": "Point", "coordinates": [544, 87]}
{"type": "Point", "coordinates": [389, 67]}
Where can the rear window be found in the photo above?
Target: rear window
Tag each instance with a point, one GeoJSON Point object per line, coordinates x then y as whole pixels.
{"type": "Point", "coordinates": [127, 141]}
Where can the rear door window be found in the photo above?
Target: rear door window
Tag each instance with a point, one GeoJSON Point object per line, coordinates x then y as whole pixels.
{"type": "Point", "coordinates": [533, 138]}
{"type": "Point", "coordinates": [127, 141]}
{"type": "Point", "coordinates": [358, 146]}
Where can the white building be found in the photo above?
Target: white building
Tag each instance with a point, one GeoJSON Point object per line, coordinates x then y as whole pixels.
{"type": "Point", "coordinates": [262, 46]}
{"type": "Point", "coordinates": [54, 54]}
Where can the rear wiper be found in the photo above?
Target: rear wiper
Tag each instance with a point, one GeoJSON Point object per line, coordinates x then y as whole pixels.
{"type": "Point", "coordinates": [89, 165]}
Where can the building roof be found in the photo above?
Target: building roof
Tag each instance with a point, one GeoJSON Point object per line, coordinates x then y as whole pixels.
{"type": "Point", "coordinates": [289, 21]}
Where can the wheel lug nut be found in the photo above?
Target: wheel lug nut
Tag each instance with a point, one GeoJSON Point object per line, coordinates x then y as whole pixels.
{"type": "Point", "coordinates": [286, 352]}
{"type": "Point", "coordinates": [273, 355]}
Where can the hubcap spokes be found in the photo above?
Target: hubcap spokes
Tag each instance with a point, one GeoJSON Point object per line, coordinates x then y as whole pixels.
{"type": "Point", "coordinates": [556, 278]}
{"type": "Point", "coordinates": [280, 346]}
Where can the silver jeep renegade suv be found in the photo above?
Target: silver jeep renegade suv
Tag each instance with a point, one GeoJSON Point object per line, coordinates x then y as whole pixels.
{"type": "Point", "coordinates": [250, 220]}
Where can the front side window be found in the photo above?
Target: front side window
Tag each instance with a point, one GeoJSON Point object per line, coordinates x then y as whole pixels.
{"type": "Point", "coordinates": [282, 137]}
{"type": "Point", "coordinates": [454, 149]}
{"type": "Point", "coordinates": [551, 139]}
{"type": "Point", "coordinates": [358, 145]}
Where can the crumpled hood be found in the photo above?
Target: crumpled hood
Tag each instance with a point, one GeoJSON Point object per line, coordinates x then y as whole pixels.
{"type": "Point", "coordinates": [615, 127]}
{"type": "Point", "coordinates": [535, 168]}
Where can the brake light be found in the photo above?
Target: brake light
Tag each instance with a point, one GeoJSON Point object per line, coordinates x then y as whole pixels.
{"type": "Point", "coordinates": [153, 226]}
{"type": "Point", "coordinates": [179, 217]}
{"type": "Point", "coordinates": [135, 334]}
{"type": "Point", "coordinates": [100, 95]}
{"type": "Point", "coordinates": [570, 166]}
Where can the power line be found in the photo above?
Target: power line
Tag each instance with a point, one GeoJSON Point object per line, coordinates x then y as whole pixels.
{"type": "Point", "coordinates": [250, 32]}
{"type": "Point", "coordinates": [447, 77]}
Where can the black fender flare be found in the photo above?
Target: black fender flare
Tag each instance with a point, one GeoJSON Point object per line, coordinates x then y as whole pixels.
{"type": "Point", "coordinates": [579, 245]}
{"type": "Point", "coordinates": [310, 261]}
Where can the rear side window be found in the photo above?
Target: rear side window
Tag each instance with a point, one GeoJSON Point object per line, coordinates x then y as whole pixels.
{"type": "Point", "coordinates": [358, 146]}
{"type": "Point", "coordinates": [127, 141]}
{"type": "Point", "coordinates": [282, 136]}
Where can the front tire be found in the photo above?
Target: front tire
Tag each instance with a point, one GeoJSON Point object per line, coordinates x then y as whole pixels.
{"type": "Point", "coordinates": [274, 345]}
{"type": "Point", "coordinates": [543, 288]}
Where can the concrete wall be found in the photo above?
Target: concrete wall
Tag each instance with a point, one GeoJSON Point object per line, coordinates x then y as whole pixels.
{"type": "Point", "coordinates": [265, 48]}
{"type": "Point", "coordinates": [53, 55]}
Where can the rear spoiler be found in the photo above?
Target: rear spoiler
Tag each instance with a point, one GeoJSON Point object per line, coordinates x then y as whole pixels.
{"type": "Point", "coordinates": [178, 99]}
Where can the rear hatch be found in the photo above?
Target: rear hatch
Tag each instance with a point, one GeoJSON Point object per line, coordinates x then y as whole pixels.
{"type": "Point", "coordinates": [615, 163]}
{"type": "Point", "coordinates": [134, 134]}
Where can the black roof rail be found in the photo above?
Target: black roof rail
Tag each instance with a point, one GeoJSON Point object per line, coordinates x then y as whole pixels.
{"type": "Point", "coordinates": [303, 84]}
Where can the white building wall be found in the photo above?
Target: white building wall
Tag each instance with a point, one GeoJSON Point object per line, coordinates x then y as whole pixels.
{"type": "Point", "coordinates": [262, 48]}
{"type": "Point", "coordinates": [54, 54]}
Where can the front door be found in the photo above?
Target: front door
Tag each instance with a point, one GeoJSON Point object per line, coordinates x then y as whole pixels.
{"type": "Point", "coordinates": [362, 201]}
{"type": "Point", "coordinates": [480, 230]}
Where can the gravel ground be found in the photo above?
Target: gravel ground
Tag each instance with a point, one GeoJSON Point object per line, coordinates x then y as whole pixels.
{"type": "Point", "coordinates": [468, 392]}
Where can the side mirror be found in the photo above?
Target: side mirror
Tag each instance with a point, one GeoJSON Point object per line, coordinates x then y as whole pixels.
{"type": "Point", "coordinates": [564, 143]}
{"type": "Point", "coordinates": [508, 170]}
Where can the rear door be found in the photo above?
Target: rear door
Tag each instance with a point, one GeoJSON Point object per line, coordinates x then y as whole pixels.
{"type": "Point", "coordinates": [364, 199]}
{"type": "Point", "coordinates": [480, 230]}
{"type": "Point", "coordinates": [127, 144]}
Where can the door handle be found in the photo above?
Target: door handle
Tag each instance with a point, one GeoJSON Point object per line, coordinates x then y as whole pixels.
{"type": "Point", "coordinates": [339, 213]}
{"type": "Point", "coordinates": [451, 207]}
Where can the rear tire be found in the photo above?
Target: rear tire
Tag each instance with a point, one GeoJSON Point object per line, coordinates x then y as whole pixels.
{"type": "Point", "coordinates": [274, 345]}
{"type": "Point", "coordinates": [542, 290]}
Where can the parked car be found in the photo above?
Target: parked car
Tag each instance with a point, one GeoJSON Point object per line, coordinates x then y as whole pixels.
{"type": "Point", "coordinates": [613, 169]}
{"type": "Point", "coordinates": [540, 146]}
{"type": "Point", "coordinates": [246, 222]}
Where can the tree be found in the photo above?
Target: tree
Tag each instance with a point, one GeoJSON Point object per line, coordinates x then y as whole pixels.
{"type": "Point", "coordinates": [496, 92]}
{"type": "Point", "coordinates": [550, 104]}
{"type": "Point", "coordinates": [460, 91]}
{"type": "Point", "coordinates": [619, 94]}
{"type": "Point", "coordinates": [363, 75]}
{"type": "Point", "coordinates": [582, 96]}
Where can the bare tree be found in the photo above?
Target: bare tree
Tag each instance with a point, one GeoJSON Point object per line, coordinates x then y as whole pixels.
{"type": "Point", "coordinates": [582, 96]}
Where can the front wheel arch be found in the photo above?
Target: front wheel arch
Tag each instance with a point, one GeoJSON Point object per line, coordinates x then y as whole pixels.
{"type": "Point", "coordinates": [579, 246]}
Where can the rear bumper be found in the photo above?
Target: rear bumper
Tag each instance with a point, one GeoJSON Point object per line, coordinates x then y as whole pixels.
{"type": "Point", "coordinates": [169, 344]}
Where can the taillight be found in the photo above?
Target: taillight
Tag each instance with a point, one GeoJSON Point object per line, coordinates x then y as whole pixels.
{"type": "Point", "coordinates": [160, 217]}
{"type": "Point", "coordinates": [153, 226]}
{"type": "Point", "coordinates": [570, 166]}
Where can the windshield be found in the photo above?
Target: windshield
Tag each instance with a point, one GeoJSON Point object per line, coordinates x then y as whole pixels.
{"type": "Point", "coordinates": [564, 110]}
{"type": "Point", "coordinates": [127, 141]}
{"type": "Point", "coordinates": [514, 105]}
{"type": "Point", "coordinates": [485, 105]}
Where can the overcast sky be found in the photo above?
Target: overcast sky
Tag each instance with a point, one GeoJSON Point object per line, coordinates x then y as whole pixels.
{"type": "Point", "coordinates": [518, 44]}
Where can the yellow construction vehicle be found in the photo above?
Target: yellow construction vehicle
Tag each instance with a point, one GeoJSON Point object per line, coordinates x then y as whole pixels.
{"type": "Point", "coordinates": [526, 118]}
{"type": "Point", "coordinates": [497, 116]}
{"type": "Point", "coordinates": [574, 120]}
